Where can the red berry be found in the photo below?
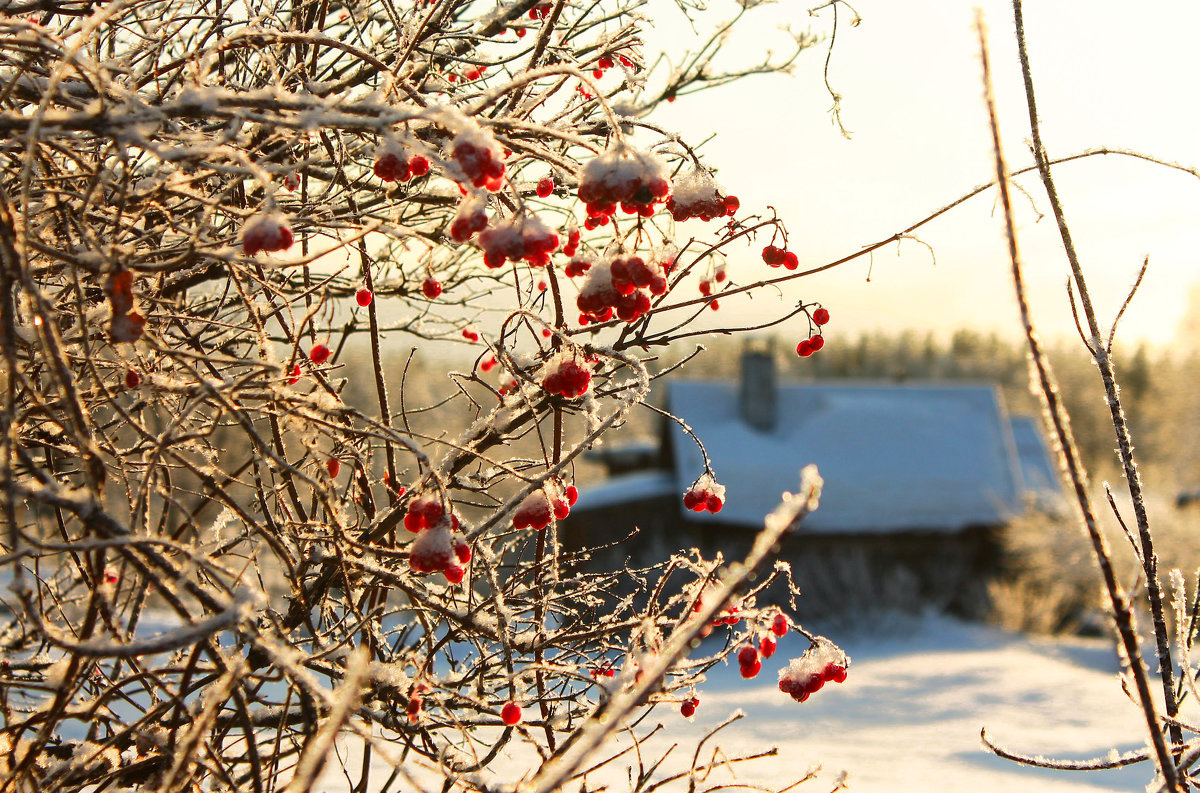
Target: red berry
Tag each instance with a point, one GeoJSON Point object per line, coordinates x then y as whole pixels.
{"type": "Point", "coordinates": [363, 297]}
{"type": "Point", "coordinates": [713, 503]}
{"type": "Point", "coordinates": [431, 288]}
{"type": "Point", "coordinates": [779, 625]}
{"type": "Point", "coordinates": [804, 348]}
{"type": "Point", "coordinates": [510, 714]}
{"type": "Point", "coordinates": [835, 673]}
{"type": "Point", "coordinates": [748, 655]}
{"type": "Point", "coordinates": [294, 377]}
{"type": "Point", "coordinates": [333, 465]}
{"type": "Point", "coordinates": [817, 342]}
{"type": "Point", "coordinates": [132, 379]}
{"type": "Point", "coordinates": [790, 260]}
{"type": "Point", "coordinates": [820, 316]}
{"type": "Point", "coordinates": [752, 669]}
{"type": "Point", "coordinates": [688, 707]}
{"type": "Point", "coordinates": [572, 494]}
{"type": "Point", "coordinates": [319, 354]}
{"type": "Point", "coordinates": [545, 187]}
{"type": "Point", "coordinates": [470, 334]}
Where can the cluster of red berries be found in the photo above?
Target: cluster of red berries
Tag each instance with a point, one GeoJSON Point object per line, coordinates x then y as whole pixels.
{"type": "Point", "coordinates": [438, 548]}
{"type": "Point", "coordinates": [621, 285]}
{"type": "Point", "coordinates": [536, 509]}
{"type": "Point", "coordinates": [393, 163]}
{"type": "Point", "coordinates": [767, 643]}
{"type": "Point", "coordinates": [748, 660]}
{"type": "Point", "coordinates": [126, 325]}
{"type": "Point", "coordinates": [572, 246]}
{"type": "Point", "coordinates": [729, 615]}
{"type": "Point", "coordinates": [478, 157]}
{"type": "Point", "coordinates": [540, 11]}
{"type": "Point", "coordinates": [688, 707]}
{"type": "Point", "coordinates": [469, 218]}
{"type": "Point", "coordinates": [635, 180]}
{"type": "Point", "coordinates": [566, 374]}
{"type": "Point", "coordinates": [470, 334]}
{"type": "Point", "coordinates": [815, 342]}
{"type": "Point", "coordinates": [705, 496]}
{"type": "Point", "coordinates": [268, 232]}
{"type": "Point", "coordinates": [522, 238]}
{"type": "Point", "coordinates": [697, 195]}
{"type": "Point", "coordinates": [805, 676]}
{"type": "Point", "coordinates": [780, 257]}
{"type": "Point", "coordinates": [579, 265]}
{"type": "Point", "coordinates": [602, 65]}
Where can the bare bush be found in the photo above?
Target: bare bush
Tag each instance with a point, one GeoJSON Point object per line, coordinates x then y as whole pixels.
{"type": "Point", "coordinates": [223, 553]}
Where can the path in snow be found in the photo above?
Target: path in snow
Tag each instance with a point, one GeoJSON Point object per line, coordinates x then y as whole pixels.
{"type": "Point", "coordinates": [908, 718]}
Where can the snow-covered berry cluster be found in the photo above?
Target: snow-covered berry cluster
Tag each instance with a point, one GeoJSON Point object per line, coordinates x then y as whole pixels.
{"type": "Point", "coordinates": [395, 163]}
{"type": "Point", "coordinates": [438, 548]}
{"type": "Point", "coordinates": [579, 265]}
{"type": "Point", "coordinates": [780, 257]}
{"type": "Point", "coordinates": [524, 237]}
{"type": "Point", "coordinates": [549, 502]}
{"type": "Point", "coordinates": [705, 496]}
{"type": "Point", "coordinates": [469, 218]}
{"type": "Point", "coordinates": [478, 158]}
{"type": "Point", "coordinates": [621, 285]}
{"type": "Point", "coordinates": [266, 232]}
{"type": "Point", "coordinates": [624, 176]}
{"type": "Point", "coordinates": [567, 374]}
{"type": "Point", "coordinates": [688, 707]}
{"type": "Point", "coordinates": [804, 676]}
{"type": "Point", "coordinates": [697, 195]}
{"type": "Point", "coordinates": [730, 614]}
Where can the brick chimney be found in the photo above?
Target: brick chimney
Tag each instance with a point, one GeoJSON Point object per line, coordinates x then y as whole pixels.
{"type": "Point", "coordinates": [757, 396]}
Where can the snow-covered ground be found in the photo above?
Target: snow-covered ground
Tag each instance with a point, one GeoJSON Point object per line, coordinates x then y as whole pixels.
{"type": "Point", "coordinates": [908, 719]}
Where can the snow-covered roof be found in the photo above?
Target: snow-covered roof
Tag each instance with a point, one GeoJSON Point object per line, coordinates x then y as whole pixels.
{"type": "Point", "coordinates": [627, 488]}
{"type": "Point", "coordinates": [893, 456]}
{"type": "Point", "coordinates": [1039, 476]}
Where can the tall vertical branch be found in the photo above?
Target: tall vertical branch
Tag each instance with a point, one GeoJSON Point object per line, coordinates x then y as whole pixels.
{"type": "Point", "coordinates": [1060, 424]}
{"type": "Point", "coordinates": [1103, 358]}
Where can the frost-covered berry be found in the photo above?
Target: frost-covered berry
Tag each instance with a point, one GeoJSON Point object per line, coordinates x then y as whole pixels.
{"type": "Point", "coordinates": [621, 285]}
{"type": "Point", "coordinates": [545, 187]}
{"type": "Point", "coordinates": [779, 625]}
{"type": "Point", "coordinates": [511, 714]}
{"type": "Point", "coordinates": [747, 655]}
{"type": "Point", "coordinates": [319, 354]}
{"type": "Point", "coordinates": [766, 646]}
{"type": "Point", "coordinates": [268, 232]}
{"type": "Point", "coordinates": [624, 176]}
{"type": "Point", "coordinates": [688, 707]}
{"type": "Point", "coordinates": [469, 218]}
{"type": "Point", "coordinates": [820, 316]}
{"type": "Point", "coordinates": [566, 374]}
{"type": "Point", "coordinates": [697, 195]}
{"type": "Point", "coordinates": [541, 506]}
{"type": "Point", "coordinates": [363, 297]}
{"type": "Point", "coordinates": [706, 495]}
{"type": "Point", "coordinates": [431, 288]}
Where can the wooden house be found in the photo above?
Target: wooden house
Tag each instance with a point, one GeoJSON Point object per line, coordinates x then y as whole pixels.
{"type": "Point", "coordinates": [919, 480]}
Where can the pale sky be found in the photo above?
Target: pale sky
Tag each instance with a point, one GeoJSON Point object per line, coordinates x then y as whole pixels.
{"type": "Point", "coordinates": [1107, 75]}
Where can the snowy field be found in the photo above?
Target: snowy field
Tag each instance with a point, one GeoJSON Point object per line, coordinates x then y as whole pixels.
{"type": "Point", "coordinates": [909, 716]}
